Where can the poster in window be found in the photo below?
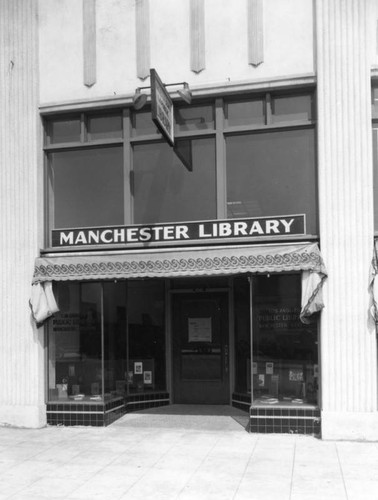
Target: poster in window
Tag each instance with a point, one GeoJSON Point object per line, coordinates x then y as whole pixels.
{"type": "Point", "coordinates": [147, 377]}
{"type": "Point", "coordinates": [66, 334]}
{"type": "Point", "coordinates": [138, 368]}
{"type": "Point", "coordinates": [296, 375]}
{"type": "Point", "coordinates": [199, 330]}
{"type": "Point", "coordinates": [269, 368]}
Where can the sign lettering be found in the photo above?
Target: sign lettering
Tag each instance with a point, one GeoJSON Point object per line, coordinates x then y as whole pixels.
{"type": "Point", "coordinates": [162, 108]}
{"type": "Point", "coordinates": [205, 231]}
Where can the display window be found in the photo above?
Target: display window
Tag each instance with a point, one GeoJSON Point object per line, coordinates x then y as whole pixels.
{"type": "Point", "coordinates": [107, 341]}
{"type": "Point", "coordinates": [284, 351]}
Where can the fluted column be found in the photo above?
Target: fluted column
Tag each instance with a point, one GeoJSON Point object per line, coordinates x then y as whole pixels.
{"type": "Point", "coordinates": [21, 345]}
{"type": "Point", "coordinates": [348, 342]}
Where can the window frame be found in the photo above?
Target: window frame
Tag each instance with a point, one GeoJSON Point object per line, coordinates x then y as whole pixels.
{"type": "Point", "coordinates": [220, 132]}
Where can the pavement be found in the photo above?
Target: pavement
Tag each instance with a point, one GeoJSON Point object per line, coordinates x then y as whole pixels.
{"type": "Point", "coordinates": [182, 453]}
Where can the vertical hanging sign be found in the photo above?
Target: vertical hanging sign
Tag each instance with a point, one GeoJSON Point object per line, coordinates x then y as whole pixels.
{"type": "Point", "coordinates": [162, 108]}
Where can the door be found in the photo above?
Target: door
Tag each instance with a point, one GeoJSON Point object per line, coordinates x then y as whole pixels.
{"type": "Point", "coordinates": [200, 348]}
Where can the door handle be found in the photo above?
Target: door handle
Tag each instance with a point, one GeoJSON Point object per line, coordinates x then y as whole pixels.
{"type": "Point", "coordinates": [226, 358]}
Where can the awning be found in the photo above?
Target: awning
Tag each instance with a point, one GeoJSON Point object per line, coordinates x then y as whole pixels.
{"type": "Point", "coordinates": [170, 263]}
{"type": "Point", "coordinates": [186, 262]}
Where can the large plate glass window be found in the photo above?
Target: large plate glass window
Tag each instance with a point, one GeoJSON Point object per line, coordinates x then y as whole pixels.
{"type": "Point", "coordinates": [86, 187]}
{"type": "Point", "coordinates": [278, 173]}
{"type": "Point", "coordinates": [252, 156]}
{"type": "Point", "coordinates": [285, 351]}
{"type": "Point", "coordinates": [270, 146]}
{"type": "Point", "coordinates": [166, 191]}
{"type": "Point", "coordinates": [75, 369]}
{"type": "Point", "coordinates": [107, 341]}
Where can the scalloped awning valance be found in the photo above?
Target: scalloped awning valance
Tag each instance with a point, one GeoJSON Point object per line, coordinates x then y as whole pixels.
{"type": "Point", "coordinates": [170, 263]}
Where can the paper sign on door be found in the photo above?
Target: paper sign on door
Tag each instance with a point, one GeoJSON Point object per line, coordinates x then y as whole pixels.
{"type": "Point", "coordinates": [199, 330]}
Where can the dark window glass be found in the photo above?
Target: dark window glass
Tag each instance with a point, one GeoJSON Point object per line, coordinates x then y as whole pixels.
{"type": "Point", "coordinates": [104, 127]}
{"type": "Point", "coordinates": [375, 102]}
{"type": "Point", "coordinates": [115, 343]}
{"type": "Point", "coordinates": [75, 366]}
{"type": "Point", "coordinates": [271, 174]}
{"type": "Point", "coordinates": [242, 335]}
{"type": "Point", "coordinates": [245, 113]}
{"type": "Point", "coordinates": [166, 191]}
{"type": "Point", "coordinates": [202, 284]}
{"type": "Point", "coordinates": [146, 327]}
{"type": "Point", "coordinates": [67, 130]}
{"type": "Point", "coordinates": [285, 351]}
{"type": "Point", "coordinates": [88, 364]}
{"type": "Point", "coordinates": [87, 187]}
{"type": "Point", "coordinates": [143, 124]}
{"type": "Point", "coordinates": [194, 118]}
{"type": "Point", "coordinates": [292, 108]}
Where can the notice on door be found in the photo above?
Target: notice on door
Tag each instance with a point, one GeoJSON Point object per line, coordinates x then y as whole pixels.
{"type": "Point", "coordinates": [199, 330]}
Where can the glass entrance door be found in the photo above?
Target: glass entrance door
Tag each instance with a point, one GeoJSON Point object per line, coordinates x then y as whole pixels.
{"type": "Point", "coordinates": [200, 348]}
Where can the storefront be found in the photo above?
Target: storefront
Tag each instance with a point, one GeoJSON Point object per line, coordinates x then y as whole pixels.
{"type": "Point", "coordinates": [167, 252]}
{"type": "Point", "coordinates": [187, 274]}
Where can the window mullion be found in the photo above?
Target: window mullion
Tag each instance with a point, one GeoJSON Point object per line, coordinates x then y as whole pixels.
{"type": "Point", "coordinates": [268, 109]}
{"type": "Point", "coordinates": [127, 169]}
{"type": "Point", "coordinates": [83, 128]}
{"type": "Point", "coordinates": [220, 155]}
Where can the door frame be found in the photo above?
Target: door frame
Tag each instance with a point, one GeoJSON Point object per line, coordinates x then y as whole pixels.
{"type": "Point", "coordinates": [169, 344]}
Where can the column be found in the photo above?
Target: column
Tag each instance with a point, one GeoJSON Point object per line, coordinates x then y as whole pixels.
{"type": "Point", "coordinates": [21, 344]}
{"type": "Point", "coordinates": [348, 340]}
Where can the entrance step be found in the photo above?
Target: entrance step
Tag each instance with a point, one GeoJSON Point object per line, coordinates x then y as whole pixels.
{"type": "Point", "coordinates": [188, 417]}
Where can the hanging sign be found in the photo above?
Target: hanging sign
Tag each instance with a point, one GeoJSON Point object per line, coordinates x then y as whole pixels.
{"type": "Point", "coordinates": [187, 232]}
{"type": "Point", "coordinates": [162, 108]}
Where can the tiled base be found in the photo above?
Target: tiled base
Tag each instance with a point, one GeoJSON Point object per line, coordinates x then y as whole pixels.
{"type": "Point", "coordinates": [96, 415]}
{"type": "Point", "coordinates": [285, 420]}
{"type": "Point", "coordinates": [142, 401]}
{"type": "Point", "coordinates": [241, 401]}
{"type": "Point", "coordinates": [101, 414]}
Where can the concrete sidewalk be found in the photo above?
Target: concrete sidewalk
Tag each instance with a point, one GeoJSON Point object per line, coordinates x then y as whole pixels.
{"type": "Point", "coordinates": [152, 455]}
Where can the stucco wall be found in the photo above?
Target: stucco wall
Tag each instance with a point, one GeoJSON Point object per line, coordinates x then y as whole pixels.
{"type": "Point", "coordinates": [288, 45]}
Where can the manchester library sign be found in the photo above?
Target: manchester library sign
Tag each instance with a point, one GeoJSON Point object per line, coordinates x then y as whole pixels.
{"type": "Point", "coordinates": [189, 232]}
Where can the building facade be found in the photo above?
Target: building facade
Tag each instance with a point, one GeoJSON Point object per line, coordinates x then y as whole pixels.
{"type": "Point", "coordinates": [188, 211]}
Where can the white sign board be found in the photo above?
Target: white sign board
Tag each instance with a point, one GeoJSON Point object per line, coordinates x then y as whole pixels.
{"type": "Point", "coordinates": [162, 108]}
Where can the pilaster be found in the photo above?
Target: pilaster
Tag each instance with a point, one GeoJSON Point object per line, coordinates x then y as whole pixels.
{"type": "Point", "coordinates": [348, 340]}
{"type": "Point", "coordinates": [21, 345]}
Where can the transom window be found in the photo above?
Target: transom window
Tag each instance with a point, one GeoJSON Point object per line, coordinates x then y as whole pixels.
{"type": "Point", "coordinates": [233, 158]}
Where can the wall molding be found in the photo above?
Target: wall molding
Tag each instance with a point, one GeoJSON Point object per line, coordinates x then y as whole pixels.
{"type": "Point", "coordinates": [208, 90]}
{"type": "Point", "coordinates": [89, 42]}
{"type": "Point", "coordinates": [197, 35]}
{"type": "Point", "coordinates": [255, 32]}
{"type": "Point", "coordinates": [142, 30]}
